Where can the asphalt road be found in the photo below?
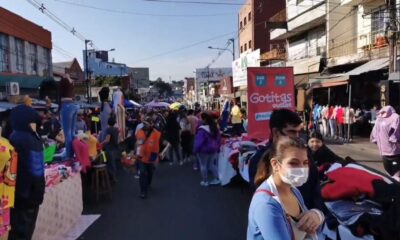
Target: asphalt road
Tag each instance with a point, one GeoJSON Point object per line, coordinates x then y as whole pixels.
{"type": "Point", "coordinates": [177, 208]}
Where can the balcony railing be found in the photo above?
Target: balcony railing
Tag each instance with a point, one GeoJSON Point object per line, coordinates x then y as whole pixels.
{"type": "Point", "coordinates": [368, 46]}
{"type": "Point", "coordinates": [275, 54]}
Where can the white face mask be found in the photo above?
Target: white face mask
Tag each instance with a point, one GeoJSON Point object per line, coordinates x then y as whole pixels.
{"type": "Point", "coordinates": [295, 176]}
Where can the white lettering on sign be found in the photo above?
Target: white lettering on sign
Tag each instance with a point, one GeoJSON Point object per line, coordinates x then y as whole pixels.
{"type": "Point", "coordinates": [274, 98]}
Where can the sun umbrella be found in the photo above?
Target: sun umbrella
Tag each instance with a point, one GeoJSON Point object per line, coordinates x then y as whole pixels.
{"type": "Point", "coordinates": [154, 104]}
{"type": "Point", "coordinates": [175, 106]}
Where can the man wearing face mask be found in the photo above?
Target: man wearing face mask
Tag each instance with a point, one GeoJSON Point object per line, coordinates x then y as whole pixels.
{"type": "Point", "coordinates": [147, 151]}
{"type": "Point", "coordinates": [30, 183]}
{"type": "Point", "coordinates": [284, 122]}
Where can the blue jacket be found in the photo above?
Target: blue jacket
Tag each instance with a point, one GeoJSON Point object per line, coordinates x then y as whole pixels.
{"type": "Point", "coordinates": [30, 184]}
{"type": "Point", "coordinates": [205, 142]}
{"type": "Point", "coordinates": [267, 218]}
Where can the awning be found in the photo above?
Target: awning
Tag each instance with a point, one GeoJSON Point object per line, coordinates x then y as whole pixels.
{"type": "Point", "coordinates": [372, 65]}
{"type": "Point", "coordinates": [31, 82]}
{"type": "Point", "coordinates": [342, 79]}
{"type": "Point", "coordinates": [329, 81]}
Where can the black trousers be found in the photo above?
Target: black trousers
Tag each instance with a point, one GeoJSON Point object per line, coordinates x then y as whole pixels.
{"type": "Point", "coordinates": [23, 222]}
{"type": "Point", "coordinates": [391, 164]}
{"type": "Point", "coordinates": [145, 176]}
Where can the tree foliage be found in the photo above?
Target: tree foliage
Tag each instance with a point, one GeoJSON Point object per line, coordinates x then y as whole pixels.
{"type": "Point", "coordinates": [110, 81]}
{"type": "Point", "coordinates": [164, 88]}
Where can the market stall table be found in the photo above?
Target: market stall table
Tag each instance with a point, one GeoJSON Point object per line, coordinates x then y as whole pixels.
{"type": "Point", "coordinates": [61, 208]}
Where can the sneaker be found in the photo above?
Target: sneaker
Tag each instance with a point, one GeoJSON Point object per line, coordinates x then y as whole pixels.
{"type": "Point", "coordinates": [180, 163]}
{"type": "Point", "coordinates": [215, 182]}
{"type": "Point", "coordinates": [137, 176]}
{"type": "Point", "coordinates": [204, 184]}
{"type": "Point", "coordinates": [195, 168]}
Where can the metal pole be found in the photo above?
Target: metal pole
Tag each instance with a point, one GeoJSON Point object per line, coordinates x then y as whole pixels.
{"type": "Point", "coordinates": [329, 96]}
{"type": "Point", "coordinates": [233, 48]}
{"type": "Point", "coordinates": [391, 6]}
{"type": "Point", "coordinates": [86, 71]}
{"type": "Point", "coordinates": [348, 126]}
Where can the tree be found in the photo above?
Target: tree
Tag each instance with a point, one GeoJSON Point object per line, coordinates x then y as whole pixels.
{"type": "Point", "coordinates": [164, 88]}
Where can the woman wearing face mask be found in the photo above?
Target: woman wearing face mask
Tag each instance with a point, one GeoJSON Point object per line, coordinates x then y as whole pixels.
{"type": "Point", "coordinates": [277, 210]}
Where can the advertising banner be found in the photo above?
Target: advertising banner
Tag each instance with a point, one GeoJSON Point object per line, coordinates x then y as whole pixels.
{"type": "Point", "coordinates": [240, 65]}
{"type": "Point", "coordinates": [267, 89]}
{"type": "Point", "coordinates": [206, 75]}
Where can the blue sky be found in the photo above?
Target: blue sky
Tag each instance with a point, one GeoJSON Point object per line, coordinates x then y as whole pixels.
{"type": "Point", "coordinates": [136, 37]}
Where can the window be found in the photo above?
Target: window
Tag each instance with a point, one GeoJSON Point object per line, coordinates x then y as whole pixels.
{"type": "Point", "coordinates": [19, 50]}
{"type": "Point", "coordinates": [44, 61]}
{"type": "Point", "coordinates": [379, 21]}
{"type": "Point", "coordinates": [250, 44]}
{"type": "Point", "coordinates": [4, 53]}
{"type": "Point", "coordinates": [241, 24]}
{"type": "Point", "coordinates": [244, 21]}
{"type": "Point", "coordinates": [33, 58]}
{"type": "Point", "coordinates": [241, 49]}
{"type": "Point", "coordinates": [249, 16]}
{"type": "Point", "coordinates": [245, 47]}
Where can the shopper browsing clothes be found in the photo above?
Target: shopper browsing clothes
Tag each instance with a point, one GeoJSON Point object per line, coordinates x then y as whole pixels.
{"type": "Point", "coordinates": [30, 184]}
{"type": "Point", "coordinates": [207, 144]}
{"type": "Point", "coordinates": [386, 134]}
{"type": "Point", "coordinates": [277, 210]}
{"type": "Point", "coordinates": [148, 148]}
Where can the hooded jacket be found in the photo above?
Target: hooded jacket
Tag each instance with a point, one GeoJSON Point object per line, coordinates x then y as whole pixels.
{"type": "Point", "coordinates": [30, 171]}
{"type": "Point", "coordinates": [205, 142]}
{"type": "Point", "coordinates": [386, 132]}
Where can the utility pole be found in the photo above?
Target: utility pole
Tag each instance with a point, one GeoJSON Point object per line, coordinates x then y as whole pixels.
{"type": "Point", "coordinates": [87, 71]}
{"type": "Point", "coordinates": [392, 35]}
{"type": "Point", "coordinates": [233, 48]}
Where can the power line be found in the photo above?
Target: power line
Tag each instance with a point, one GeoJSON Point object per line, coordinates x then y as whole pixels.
{"type": "Point", "coordinates": [185, 47]}
{"type": "Point", "coordinates": [41, 7]}
{"type": "Point", "coordinates": [197, 2]}
{"type": "Point", "coordinates": [141, 14]}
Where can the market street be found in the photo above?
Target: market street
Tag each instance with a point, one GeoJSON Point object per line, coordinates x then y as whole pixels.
{"type": "Point", "coordinates": [177, 208]}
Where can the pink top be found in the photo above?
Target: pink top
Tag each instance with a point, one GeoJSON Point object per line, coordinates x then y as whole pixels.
{"type": "Point", "coordinates": [81, 150]}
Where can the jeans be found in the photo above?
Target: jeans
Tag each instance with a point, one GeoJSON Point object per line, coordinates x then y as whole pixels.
{"type": "Point", "coordinates": [112, 155]}
{"type": "Point", "coordinates": [69, 112]}
{"type": "Point", "coordinates": [23, 222]}
{"type": "Point", "coordinates": [325, 127]}
{"type": "Point", "coordinates": [208, 162]}
{"type": "Point", "coordinates": [332, 125]}
{"type": "Point", "coordinates": [340, 128]}
{"type": "Point", "coordinates": [145, 176]}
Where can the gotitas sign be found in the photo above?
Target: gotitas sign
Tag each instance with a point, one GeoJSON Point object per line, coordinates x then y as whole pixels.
{"type": "Point", "coordinates": [267, 89]}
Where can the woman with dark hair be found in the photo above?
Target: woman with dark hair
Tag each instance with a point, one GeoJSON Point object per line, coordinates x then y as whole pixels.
{"type": "Point", "coordinates": [206, 145]}
{"type": "Point", "coordinates": [277, 210]}
{"type": "Point", "coordinates": [320, 153]}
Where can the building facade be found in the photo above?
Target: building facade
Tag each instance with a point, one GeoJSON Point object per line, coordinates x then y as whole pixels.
{"type": "Point", "coordinates": [254, 28]}
{"type": "Point", "coordinates": [72, 68]}
{"type": "Point", "coordinates": [25, 52]}
{"type": "Point", "coordinates": [98, 65]}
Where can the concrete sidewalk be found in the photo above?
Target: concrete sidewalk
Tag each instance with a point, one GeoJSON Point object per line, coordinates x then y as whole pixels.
{"type": "Point", "coordinates": [361, 150]}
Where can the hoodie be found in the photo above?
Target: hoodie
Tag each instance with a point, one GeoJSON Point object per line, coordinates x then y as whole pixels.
{"type": "Point", "coordinates": [386, 132]}
{"type": "Point", "coordinates": [30, 184]}
{"type": "Point", "coordinates": [205, 142]}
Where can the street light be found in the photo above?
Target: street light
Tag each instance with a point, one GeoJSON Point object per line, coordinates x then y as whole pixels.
{"type": "Point", "coordinates": [226, 49]}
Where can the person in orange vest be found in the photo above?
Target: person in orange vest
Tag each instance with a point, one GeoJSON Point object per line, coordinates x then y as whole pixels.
{"type": "Point", "coordinates": [147, 151]}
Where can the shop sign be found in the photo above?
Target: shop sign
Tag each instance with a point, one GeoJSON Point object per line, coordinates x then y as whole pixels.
{"type": "Point", "coordinates": [240, 65]}
{"type": "Point", "coordinates": [226, 86]}
{"type": "Point", "coordinates": [267, 89]}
